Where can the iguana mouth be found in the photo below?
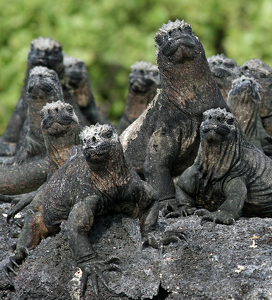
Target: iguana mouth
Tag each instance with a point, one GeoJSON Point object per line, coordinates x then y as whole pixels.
{"type": "Point", "coordinates": [57, 124]}
{"type": "Point", "coordinates": [138, 84]}
{"type": "Point", "coordinates": [102, 148]}
{"type": "Point", "coordinates": [220, 129]}
{"type": "Point", "coordinates": [97, 152]}
{"type": "Point", "coordinates": [221, 72]}
{"type": "Point", "coordinates": [245, 86]}
{"type": "Point", "coordinates": [172, 44]}
{"type": "Point", "coordinates": [75, 76]}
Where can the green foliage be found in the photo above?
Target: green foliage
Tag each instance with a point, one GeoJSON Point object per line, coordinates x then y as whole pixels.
{"type": "Point", "coordinates": [110, 35]}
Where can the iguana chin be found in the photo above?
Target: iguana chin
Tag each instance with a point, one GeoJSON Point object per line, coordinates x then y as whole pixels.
{"type": "Point", "coordinates": [163, 141]}
{"type": "Point", "coordinates": [224, 71]}
{"type": "Point", "coordinates": [230, 177]}
{"type": "Point", "coordinates": [144, 79]}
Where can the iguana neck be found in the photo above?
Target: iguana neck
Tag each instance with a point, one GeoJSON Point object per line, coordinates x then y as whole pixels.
{"type": "Point", "coordinates": [215, 160]}
{"type": "Point", "coordinates": [190, 85]}
{"type": "Point", "coordinates": [108, 174]}
{"type": "Point", "coordinates": [224, 85]}
{"type": "Point", "coordinates": [35, 105]}
{"type": "Point", "coordinates": [58, 148]}
{"type": "Point", "coordinates": [137, 103]}
{"type": "Point", "coordinates": [82, 92]}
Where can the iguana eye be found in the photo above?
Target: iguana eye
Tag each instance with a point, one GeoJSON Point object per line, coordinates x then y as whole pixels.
{"type": "Point", "coordinates": [230, 121]}
{"type": "Point", "coordinates": [108, 134]}
{"type": "Point", "coordinates": [69, 109]}
{"type": "Point", "coordinates": [229, 64]}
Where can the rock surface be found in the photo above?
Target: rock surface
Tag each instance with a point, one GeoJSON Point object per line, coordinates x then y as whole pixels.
{"type": "Point", "coordinates": [221, 262]}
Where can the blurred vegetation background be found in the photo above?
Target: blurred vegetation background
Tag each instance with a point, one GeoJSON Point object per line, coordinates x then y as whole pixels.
{"type": "Point", "coordinates": [111, 35]}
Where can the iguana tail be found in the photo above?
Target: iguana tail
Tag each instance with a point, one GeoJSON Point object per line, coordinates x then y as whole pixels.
{"type": "Point", "coordinates": [25, 177]}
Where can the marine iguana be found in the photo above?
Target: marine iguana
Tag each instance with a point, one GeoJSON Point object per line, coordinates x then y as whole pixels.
{"type": "Point", "coordinates": [224, 71]}
{"type": "Point", "coordinates": [95, 180]}
{"type": "Point", "coordinates": [163, 141]}
{"type": "Point", "coordinates": [144, 79]}
{"type": "Point", "coordinates": [78, 82]}
{"type": "Point", "coordinates": [44, 52]}
{"type": "Point", "coordinates": [43, 87]}
{"type": "Point", "coordinates": [30, 167]}
{"type": "Point", "coordinates": [230, 177]}
{"type": "Point", "coordinates": [263, 74]}
{"type": "Point", "coordinates": [60, 130]}
{"type": "Point", "coordinates": [244, 101]}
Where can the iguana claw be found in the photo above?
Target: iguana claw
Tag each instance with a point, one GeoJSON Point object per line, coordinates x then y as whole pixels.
{"type": "Point", "coordinates": [15, 261]}
{"type": "Point", "coordinates": [95, 270]}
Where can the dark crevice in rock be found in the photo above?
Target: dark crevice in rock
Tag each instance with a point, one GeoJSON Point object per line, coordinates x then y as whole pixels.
{"type": "Point", "coordinates": [162, 294]}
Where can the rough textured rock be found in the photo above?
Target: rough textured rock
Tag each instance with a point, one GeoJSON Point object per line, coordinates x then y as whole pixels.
{"type": "Point", "coordinates": [224, 71]}
{"type": "Point", "coordinates": [244, 102]}
{"type": "Point", "coordinates": [221, 262]}
{"type": "Point", "coordinates": [78, 82]}
{"type": "Point", "coordinates": [144, 79]}
{"type": "Point", "coordinates": [230, 177]}
{"type": "Point", "coordinates": [163, 141]}
{"type": "Point", "coordinates": [263, 74]}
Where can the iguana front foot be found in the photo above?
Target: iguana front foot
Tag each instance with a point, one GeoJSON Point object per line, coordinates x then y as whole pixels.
{"type": "Point", "coordinates": [7, 149]}
{"type": "Point", "coordinates": [173, 236]}
{"type": "Point", "coordinates": [170, 211]}
{"type": "Point", "coordinates": [16, 260]}
{"type": "Point", "coordinates": [218, 217]}
{"type": "Point", "coordinates": [158, 240]}
{"type": "Point", "coordinates": [181, 211]}
{"type": "Point", "coordinates": [95, 270]}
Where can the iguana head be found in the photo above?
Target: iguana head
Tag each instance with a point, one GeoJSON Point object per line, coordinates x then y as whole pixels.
{"type": "Point", "coordinates": [245, 87]}
{"type": "Point", "coordinates": [223, 67]}
{"type": "Point", "coordinates": [75, 70]}
{"type": "Point", "coordinates": [48, 53]}
{"type": "Point", "coordinates": [43, 83]}
{"type": "Point", "coordinates": [143, 75]}
{"type": "Point", "coordinates": [176, 42]}
{"type": "Point", "coordinates": [99, 142]}
{"type": "Point", "coordinates": [224, 71]}
{"type": "Point", "coordinates": [256, 68]}
{"type": "Point", "coordinates": [58, 118]}
{"type": "Point", "coordinates": [218, 126]}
